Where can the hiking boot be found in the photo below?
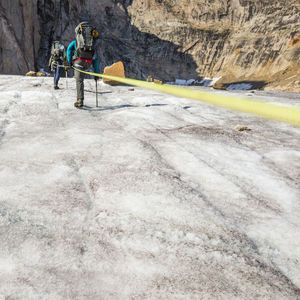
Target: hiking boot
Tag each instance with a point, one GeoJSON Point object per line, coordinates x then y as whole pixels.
{"type": "Point", "coordinates": [78, 103]}
{"type": "Point", "coordinates": [56, 87]}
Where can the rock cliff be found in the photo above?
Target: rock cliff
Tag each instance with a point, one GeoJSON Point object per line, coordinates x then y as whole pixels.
{"type": "Point", "coordinates": [238, 40]}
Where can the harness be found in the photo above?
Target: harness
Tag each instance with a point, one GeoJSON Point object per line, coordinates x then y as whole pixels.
{"type": "Point", "coordinates": [84, 59]}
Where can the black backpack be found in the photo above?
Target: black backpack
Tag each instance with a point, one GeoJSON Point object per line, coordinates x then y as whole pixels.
{"type": "Point", "coordinates": [85, 36]}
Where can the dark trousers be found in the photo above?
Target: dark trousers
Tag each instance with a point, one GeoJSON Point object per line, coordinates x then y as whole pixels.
{"type": "Point", "coordinates": [84, 66]}
{"type": "Point", "coordinates": [57, 73]}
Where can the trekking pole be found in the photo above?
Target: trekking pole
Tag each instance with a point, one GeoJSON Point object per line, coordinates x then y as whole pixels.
{"type": "Point", "coordinates": [96, 93]}
{"type": "Point", "coordinates": [66, 78]}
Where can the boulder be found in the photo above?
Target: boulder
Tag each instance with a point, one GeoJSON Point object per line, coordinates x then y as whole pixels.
{"type": "Point", "coordinates": [157, 81]}
{"type": "Point", "coordinates": [41, 74]}
{"type": "Point", "coordinates": [117, 69]}
{"type": "Point", "coordinates": [31, 73]}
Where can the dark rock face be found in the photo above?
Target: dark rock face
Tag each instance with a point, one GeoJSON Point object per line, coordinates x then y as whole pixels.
{"type": "Point", "coordinates": [142, 53]}
{"type": "Point", "coordinates": [248, 39]}
{"type": "Point", "coordinates": [19, 36]}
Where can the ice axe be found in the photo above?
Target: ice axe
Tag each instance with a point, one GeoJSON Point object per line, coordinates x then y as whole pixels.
{"type": "Point", "coordinates": [66, 78]}
{"type": "Point", "coordinates": [96, 81]}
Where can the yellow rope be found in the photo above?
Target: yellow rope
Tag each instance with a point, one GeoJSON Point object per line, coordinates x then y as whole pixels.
{"type": "Point", "coordinates": [254, 106]}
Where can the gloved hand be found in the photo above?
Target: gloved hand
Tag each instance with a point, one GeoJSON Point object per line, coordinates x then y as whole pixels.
{"type": "Point", "coordinates": [96, 78]}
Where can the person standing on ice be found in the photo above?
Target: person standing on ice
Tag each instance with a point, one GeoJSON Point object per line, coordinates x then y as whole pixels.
{"type": "Point", "coordinates": [81, 53]}
{"type": "Point", "coordinates": [57, 61]}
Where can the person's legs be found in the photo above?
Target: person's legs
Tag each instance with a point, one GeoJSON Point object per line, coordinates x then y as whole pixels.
{"type": "Point", "coordinates": [61, 71]}
{"type": "Point", "coordinates": [82, 65]}
{"type": "Point", "coordinates": [80, 86]}
{"type": "Point", "coordinates": [56, 76]}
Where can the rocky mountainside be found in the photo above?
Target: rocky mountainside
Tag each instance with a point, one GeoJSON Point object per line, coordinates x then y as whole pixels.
{"type": "Point", "coordinates": [238, 40]}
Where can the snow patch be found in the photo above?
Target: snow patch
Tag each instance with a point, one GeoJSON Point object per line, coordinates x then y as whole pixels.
{"type": "Point", "coordinates": [239, 86]}
{"type": "Point", "coordinates": [206, 82]}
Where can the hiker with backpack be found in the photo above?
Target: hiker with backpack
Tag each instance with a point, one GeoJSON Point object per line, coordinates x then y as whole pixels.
{"type": "Point", "coordinates": [81, 53]}
{"type": "Point", "coordinates": [57, 61]}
